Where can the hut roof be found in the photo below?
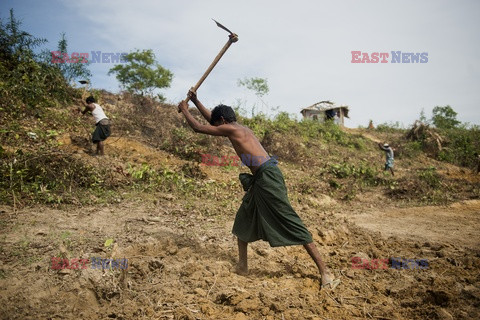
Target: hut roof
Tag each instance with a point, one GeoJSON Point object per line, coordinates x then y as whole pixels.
{"type": "Point", "coordinates": [323, 106]}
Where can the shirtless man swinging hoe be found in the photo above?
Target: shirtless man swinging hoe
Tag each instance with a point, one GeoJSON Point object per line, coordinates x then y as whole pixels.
{"type": "Point", "coordinates": [265, 212]}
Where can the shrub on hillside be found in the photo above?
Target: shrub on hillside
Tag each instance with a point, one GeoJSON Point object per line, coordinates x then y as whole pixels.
{"type": "Point", "coordinates": [456, 145]}
{"type": "Point", "coordinates": [461, 145]}
{"type": "Point", "coordinates": [27, 85]}
{"type": "Point", "coordinates": [48, 176]}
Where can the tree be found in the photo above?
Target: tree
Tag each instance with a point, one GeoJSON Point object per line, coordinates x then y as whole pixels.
{"type": "Point", "coordinates": [258, 85]}
{"type": "Point", "coordinates": [142, 74]}
{"type": "Point", "coordinates": [423, 117]}
{"type": "Point", "coordinates": [17, 45]}
{"type": "Point", "coordinates": [444, 117]}
{"type": "Point", "coordinates": [72, 68]}
{"type": "Point", "coordinates": [27, 83]}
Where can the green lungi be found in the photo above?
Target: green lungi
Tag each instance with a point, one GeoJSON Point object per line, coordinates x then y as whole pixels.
{"type": "Point", "coordinates": [265, 212]}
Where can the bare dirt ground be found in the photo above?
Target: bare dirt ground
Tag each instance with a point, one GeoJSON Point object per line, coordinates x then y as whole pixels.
{"type": "Point", "coordinates": [181, 262]}
{"type": "Point", "coordinates": [181, 256]}
{"type": "Point", "coordinates": [457, 224]}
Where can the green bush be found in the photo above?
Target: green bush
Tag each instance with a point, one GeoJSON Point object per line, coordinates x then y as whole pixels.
{"type": "Point", "coordinates": [259, 124]}
{"type": "Point", "coordinates": [430, 177]}
{"type": "Point", "coordinates": [363, 172]}
{"type": "Point", "coordinates": [47, 176]}
{"type": "Point", "coordinates": [283, 123]}
{"type": "Point", "coordinates": [389, 127]}
{"type": "Point", "coordinates": [461, 146]}
{"type": "Point", "coordinates": [411, 149]}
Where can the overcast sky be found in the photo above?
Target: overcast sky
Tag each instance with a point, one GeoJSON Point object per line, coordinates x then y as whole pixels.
{"type": "Point", "coordinates": [303, 48]}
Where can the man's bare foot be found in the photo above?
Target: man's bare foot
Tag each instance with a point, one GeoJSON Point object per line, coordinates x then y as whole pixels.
{"type": "Point", "coordinates": [327, 277]}
{"type": "Point", "coordinates": [329, 281]}
{"type": "Point", "coordinates": [241, 270]}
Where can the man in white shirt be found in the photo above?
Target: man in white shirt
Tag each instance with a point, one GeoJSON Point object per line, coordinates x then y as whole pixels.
{"type": "Point", "coordinates": [102, 124]}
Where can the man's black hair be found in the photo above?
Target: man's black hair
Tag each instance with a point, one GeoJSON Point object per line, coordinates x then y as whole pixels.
{"type": "Point", "coordinates": [222, 111]}
{"type": "Point", "coordinates": [91, 99]}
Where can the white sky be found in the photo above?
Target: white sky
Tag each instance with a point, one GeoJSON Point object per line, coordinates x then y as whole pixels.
{"type": "Point", "coordinates": [302, 47]}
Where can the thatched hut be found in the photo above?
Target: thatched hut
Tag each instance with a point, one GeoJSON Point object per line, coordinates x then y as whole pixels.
{"type": "Point", "coordinates": [326, 110]}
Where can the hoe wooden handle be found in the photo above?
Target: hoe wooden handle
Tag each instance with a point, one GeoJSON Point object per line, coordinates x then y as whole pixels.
{"type": "Point", "coordinates": [232, 38]}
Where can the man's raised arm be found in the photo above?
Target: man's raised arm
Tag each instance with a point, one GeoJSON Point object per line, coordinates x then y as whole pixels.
{"type": "Point", "coordinates": [88, 107]}
{"type": "Point", "coordinates": [223, 130]}
{"type": "Point", "coordinates": [204, 111]}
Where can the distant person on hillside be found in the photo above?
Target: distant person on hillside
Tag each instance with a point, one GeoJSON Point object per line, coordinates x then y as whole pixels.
{"type": "Point", "coordinates": [102, 124]}
{"type": "Point", "coordinates": [330, 114]}
{"type": "Point", "coordinates": [370, 125]}
{"type": "Point", "coordinates": [265, 212]}
{"type": "Point", "coordinates": [389, 157]}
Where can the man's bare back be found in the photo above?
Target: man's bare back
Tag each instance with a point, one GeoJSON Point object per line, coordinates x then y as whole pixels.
{"type": "Point", "coordinates": [247, 146]}
{"type": "Point", "coordinates": [244, 142]}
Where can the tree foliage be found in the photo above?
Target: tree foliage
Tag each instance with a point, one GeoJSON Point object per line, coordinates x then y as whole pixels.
{"type": "Point", "coordinates": [450, 140]}
{"type": "Point", "coordinates": [258, 85]}
{"type": "Point", "coordinates": [71, 70]}
{"type": "Point", "coordinates": [26, 83]}
{"type": "Point", "coordinates": [142, 74]}
{"type": "Point", "coordinates": [444, 117]}
{"type": "Point", "coordinates": [16, 45]}
{"type": "Point", "coordinates": [462, 143]}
